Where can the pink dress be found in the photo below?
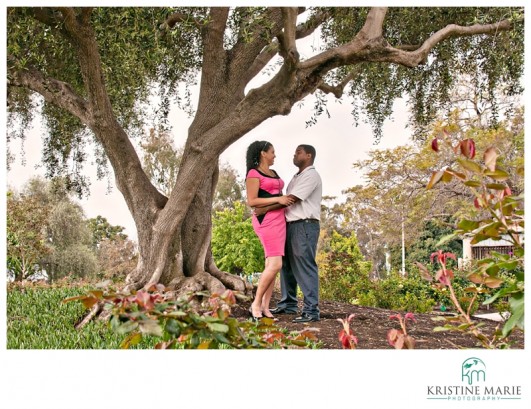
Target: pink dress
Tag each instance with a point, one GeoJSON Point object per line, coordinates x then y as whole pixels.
{"type": "Point", "coordinates": [271, 227]}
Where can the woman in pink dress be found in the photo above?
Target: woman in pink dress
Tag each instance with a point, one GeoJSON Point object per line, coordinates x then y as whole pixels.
{"type": "Point", "coordinates": [264, 188]}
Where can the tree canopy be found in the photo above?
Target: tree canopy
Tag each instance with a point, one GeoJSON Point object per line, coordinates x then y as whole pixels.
{"type": "Point", "coordinates": [146, 51]}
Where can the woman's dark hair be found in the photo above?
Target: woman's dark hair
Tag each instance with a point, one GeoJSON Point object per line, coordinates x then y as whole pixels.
{"type": "Point", "coordinates": [253, 153]}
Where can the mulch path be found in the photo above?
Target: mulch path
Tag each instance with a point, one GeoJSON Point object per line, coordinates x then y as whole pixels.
{"type": "Point", "coordinates": [370, 326]}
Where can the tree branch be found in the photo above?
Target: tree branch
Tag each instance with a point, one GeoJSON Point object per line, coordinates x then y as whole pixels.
{"type": "Point", "coordinates": [367, 40]}
{"type": "Point", "coordinates": [86, 13]}
{"type": "Point", "coordinates": [373, 27]}
{"type": "Point", "coordinates": [338, 89]}
{"type": "Point", "coordinates": [176, 18]}
{"type": "Point", "coordinates": [288, 48]}
{"type": "Point", "coordinates": [303, 30]}
{"type": "Point", "coordinates": [213, 34]}
{"type": "Point", "coordinates": [45, 15]}
{"type": "Point", "coordinates": [69, 18]}
{"type": "Point", "coordinates": [54, 91]}
{"type": "Point", "coordinates": [411, 59]}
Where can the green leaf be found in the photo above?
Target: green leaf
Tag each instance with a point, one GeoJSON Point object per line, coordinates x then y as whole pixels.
{"type": "Point", "coordinates": [498, 174]}
{"type": "Point", "coordinates": [218, 327]}
{"type": "Point", "coordinates": [126, 327]}
{"type": "Point", "coordinates": [470, 165]}
{"type": "Point", "coordinates": [496, 186]}
{"type": "Point", "coordinates": [130, 340]}
{"type": "Point", "coordinates": [478, 238]}
{"type": "Point", "coordinates": [510, 265]}
{"type": "Point", "coordinates": [447, 177]}
{"type": "Point", "coordinates": [446, 239]}
{"type": "Point", "coordinates": [472, 183]}
{"type": "Point", "coordinates": [517, 314]}
{"type": "Point", "coordinates": [173, 327]}
{"type": "Point", "coordinates": [221, 338]}
{"type": "Point", "coordinates": [468, 225]}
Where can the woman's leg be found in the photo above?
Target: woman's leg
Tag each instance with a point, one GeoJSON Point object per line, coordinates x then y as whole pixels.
{"type": "Point", "coordinates": [266, 299]}
{"type": "Point", "coordinates": [267, 279]}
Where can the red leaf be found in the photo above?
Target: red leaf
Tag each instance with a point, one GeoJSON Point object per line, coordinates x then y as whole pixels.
{"type": "Point", "coordinates": [450, 255]}
{"type": "Point", "coordinates": [476, 203]}
{"type": "Point", "coordinates": [392, 335]}
{"type": "Point", "coordinates": [435, 145]}
{"type": "Point", "coordinates": [468, 148]}
{"type": "Point", "coordinates": [144, 299]}
{"type": "Point", "coordinates": [424, 272]}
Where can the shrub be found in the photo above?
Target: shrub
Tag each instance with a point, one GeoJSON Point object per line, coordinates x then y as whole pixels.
{"type": "Point", "coordinates": [235, 246]}
{"type": "Point", "coordinates": [342, 269]}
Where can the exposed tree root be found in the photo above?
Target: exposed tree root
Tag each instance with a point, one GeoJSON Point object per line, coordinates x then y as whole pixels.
{"type": "Point", "coordinates": [96, 308]}
{"type": "Point", "coordinates": [232, 282]}
{"type": "Point", "coordinates": [215, 281]}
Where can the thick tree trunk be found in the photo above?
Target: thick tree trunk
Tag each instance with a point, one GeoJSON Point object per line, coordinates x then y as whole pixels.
{"type": "Point", "coordinates": [184, 259]}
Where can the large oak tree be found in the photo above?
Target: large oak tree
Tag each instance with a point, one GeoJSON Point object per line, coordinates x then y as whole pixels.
{"type": "Point", "coordinates": [96, 69]}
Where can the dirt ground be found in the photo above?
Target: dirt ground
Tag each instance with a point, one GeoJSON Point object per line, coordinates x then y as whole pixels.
{"type": "Point", "coordinates": [370, 326]}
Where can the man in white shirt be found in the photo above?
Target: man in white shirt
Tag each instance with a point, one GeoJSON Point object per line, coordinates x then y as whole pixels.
{"type": "Point", "coordinates": [299, 266]}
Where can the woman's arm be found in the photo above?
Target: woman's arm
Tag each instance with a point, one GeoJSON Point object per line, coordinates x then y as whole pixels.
{"type": "Point", "coordinates": [252, 186]}
{"type": "Point", "coordinates": [261, 210]}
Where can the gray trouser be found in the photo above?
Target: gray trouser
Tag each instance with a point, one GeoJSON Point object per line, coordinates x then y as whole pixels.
{"type": "Point", "coordinates": [299, 268]}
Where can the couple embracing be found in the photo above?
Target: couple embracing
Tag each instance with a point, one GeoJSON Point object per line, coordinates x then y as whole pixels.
{"type": "Point", "coordinates": [288, 228]}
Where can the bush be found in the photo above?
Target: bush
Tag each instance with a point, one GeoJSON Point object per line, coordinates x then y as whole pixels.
{"type": "Point", "coordinates": [397, 292]}
{"type": "Point", "coordinates": [235, 246]}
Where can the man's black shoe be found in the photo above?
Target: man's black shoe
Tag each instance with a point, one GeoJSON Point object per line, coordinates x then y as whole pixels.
{"type": "Point", "coordinates": [305, 318]}
{"type": "Point", "coordinates": [280, 310]}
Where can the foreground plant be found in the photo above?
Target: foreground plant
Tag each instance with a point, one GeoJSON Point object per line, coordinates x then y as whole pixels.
{"type": "Point", "coordinates": [399, 338]}
{"type": "Point", "coordinates": [462, 321]}
{"type": "Point", "coordinates": [499, 216]}
{"type": "Point", "coordinates": [346, 335]}
{"type": "Point", "coordinates": [184, 322]}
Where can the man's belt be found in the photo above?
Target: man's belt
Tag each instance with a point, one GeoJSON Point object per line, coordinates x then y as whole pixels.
{"type": "Point", "coordinates": [304, 221]}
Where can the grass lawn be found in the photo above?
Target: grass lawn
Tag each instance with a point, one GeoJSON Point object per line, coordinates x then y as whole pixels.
{"type": "Point", "coordinates": [37, 319]}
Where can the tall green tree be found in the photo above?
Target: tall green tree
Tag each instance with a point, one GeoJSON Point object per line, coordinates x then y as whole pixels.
{"type": "Point", "coordinates": [27, 243]}
{"type": "Point", "coordinates": [95, 69]}
{"type": "Point", "coordinates": [48, 231]}
{"type": "Point", "coordinates": [101, 230]}
{"type": "Point", "coordinates": [71, 241]}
